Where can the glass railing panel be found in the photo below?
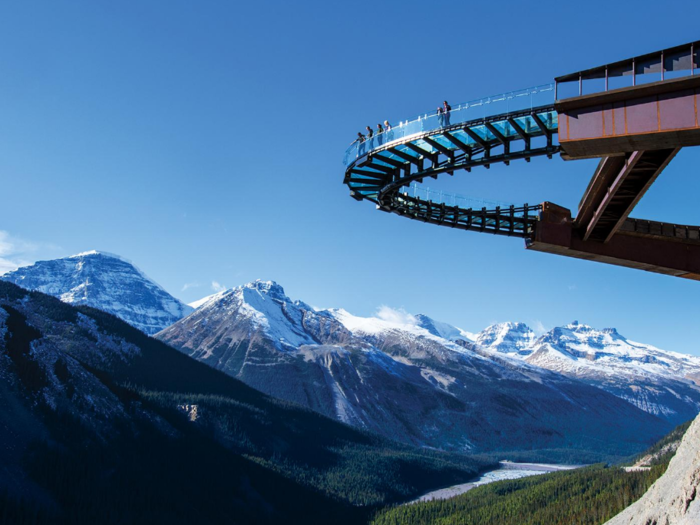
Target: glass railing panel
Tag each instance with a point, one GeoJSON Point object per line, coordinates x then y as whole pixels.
{"type": "Point", "coordinates": [543, 95]}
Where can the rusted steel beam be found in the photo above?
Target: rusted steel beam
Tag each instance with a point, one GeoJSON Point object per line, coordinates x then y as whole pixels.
{"type": "Point", "coordinates": [669, 255]}
{"type": "Point", "coordinates": [605, 173]}
{"type": "Point", "coordinates": [613, 188]}
{"type": "Point", "coordinates": [608, 201]}
{"type": "Point", "coordinates": [631, 193]}
{"type": "Point", "coordinates": [663, 115]}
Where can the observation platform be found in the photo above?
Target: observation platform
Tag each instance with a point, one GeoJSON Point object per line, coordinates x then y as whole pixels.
{"type": "Point", "coordinates": [634, 114]}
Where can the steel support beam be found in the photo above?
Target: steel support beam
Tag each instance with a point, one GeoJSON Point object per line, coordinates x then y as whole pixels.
{"type": "Point", "coordinates": [617, 186]}
{"type": "Point", "coordinates": [554, 233]}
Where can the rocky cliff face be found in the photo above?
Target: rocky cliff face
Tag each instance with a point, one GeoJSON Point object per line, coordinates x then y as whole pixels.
{"type": "Point", "coordinates": [675, 497]}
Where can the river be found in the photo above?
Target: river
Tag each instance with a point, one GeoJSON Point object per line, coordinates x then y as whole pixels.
{"type": "Point", "coordinates": [507, 470]}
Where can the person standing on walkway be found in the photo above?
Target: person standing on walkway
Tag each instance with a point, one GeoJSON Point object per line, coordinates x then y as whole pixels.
{"type": "Point", "coordinates": [387, 128]}
{"type": "Point", "coordinates": [446, 108]}
{"type": "Point", "coordinates": [380, 134]}
{"type": "Point", "coordinates": [360, 143]}
{"type": "Point", "coordinates": [441, 120]}
{"type": "Point", "coordinates": [370, 135]}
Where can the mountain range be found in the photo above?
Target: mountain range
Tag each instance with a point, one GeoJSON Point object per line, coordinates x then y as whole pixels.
{"type": "Point", "coordinates": [415, 379]}
{"type": "Point", "coordinates": [100, 423]}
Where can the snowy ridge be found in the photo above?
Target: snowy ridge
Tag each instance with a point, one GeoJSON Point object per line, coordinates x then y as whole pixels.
{"type": "Point", "coordinates": [379, 372]}
{"type": "Point", "coordinates": [659, 382]}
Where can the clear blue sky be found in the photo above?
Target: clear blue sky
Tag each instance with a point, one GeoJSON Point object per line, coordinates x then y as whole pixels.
{"type": "Point", "coordinates": [203, 141]}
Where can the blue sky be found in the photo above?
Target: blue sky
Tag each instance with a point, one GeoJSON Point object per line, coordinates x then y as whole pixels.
{"type": "Point", "coordinates": [203, 141]}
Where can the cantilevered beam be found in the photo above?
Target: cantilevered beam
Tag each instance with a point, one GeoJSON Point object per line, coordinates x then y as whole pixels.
{"type": "Point", "coordinates": [614, 187]}
{"type": "Point", "coordinates": [608, 168]}
{"type": "Point", "coordinates": [617, 186]}
{"type": "Point", "coordinates": [646, 179]}
{"type": "Point", "coordinates": [659, 253]}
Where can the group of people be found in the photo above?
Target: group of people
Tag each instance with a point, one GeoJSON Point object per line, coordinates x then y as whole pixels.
{"type": "Point", "coordinates": [370, 133]}
{"type": "Point", "coordinates": [383, 132]}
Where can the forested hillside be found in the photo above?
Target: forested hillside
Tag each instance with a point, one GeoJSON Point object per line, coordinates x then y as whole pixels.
{"type": "Point", "coordinates": [587, 496]}
{"type": "Point", "coordinates": [100, 423]}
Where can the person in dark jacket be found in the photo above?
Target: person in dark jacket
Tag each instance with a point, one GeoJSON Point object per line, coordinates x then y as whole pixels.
{"type": "Point", "coordinates": [446, 108]}
{"type": "Point", "coordinates": [360, 143]}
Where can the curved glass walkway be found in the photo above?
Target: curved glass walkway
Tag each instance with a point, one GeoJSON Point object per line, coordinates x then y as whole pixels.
{"type": "Point", "coordinates": [502, 128]}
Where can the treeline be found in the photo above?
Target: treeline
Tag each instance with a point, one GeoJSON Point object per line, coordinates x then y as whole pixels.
{"type": "Point", "coordinates": [363, 470]}
{"type": "Point", "coordinates": [588, 496]}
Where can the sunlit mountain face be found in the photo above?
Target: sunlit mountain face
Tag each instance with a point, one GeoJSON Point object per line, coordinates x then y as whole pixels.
{"type": "Point", "coordinates": [107, 282]}
{"type": "Point", "coordinates": [406, 377]}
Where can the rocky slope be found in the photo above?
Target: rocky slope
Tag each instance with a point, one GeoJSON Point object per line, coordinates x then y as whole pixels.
{"type": "Point", "coordinates": [660, 382]}
{"type": "Point", "coordinates": [674, 499]}
{"type": "Point", "coordinates": [100, 423]}
{"type": "Point", "coordinates": [402, 378]}
{"type": "Point", "coordinates": [107, 282]}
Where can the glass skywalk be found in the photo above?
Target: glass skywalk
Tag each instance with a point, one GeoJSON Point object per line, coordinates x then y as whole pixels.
{"type": "Point", "coordinates": [503, 104]}
{"type": "Point", "coordinates": [504, 128]}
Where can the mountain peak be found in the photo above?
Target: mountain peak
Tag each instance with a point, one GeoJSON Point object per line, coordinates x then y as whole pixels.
{"type": "Point", "coordinates": [508, 337]}
{"type": "Point", "coordinates": [90, 253]}
{"type": "Point", "coordinates": [270, 288]}
{"type": "Point", "coordinates": [105, 281]}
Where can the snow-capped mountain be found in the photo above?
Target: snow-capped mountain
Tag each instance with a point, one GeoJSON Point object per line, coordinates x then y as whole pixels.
{"type": "Point", "coordinates": [507, 338]}
{"type": "Point", "coordinates": [402, 377]}
{"type": "Point", "coordinates": [107, 282]}
{"type": "Point", "coordinates": [660, 382]}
